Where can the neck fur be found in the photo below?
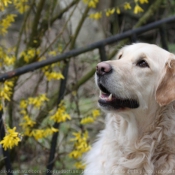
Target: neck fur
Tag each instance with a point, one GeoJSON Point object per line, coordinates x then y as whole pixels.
{"type": "Point", "coordinates": [145, 142]}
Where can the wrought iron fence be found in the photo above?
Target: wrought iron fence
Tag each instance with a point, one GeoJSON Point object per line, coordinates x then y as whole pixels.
{"type": "Point", "coordinates": [100, 45]}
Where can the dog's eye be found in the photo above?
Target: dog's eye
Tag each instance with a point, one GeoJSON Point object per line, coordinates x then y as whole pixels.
{"type": "Point", "coordinates": [142, 63]}
{"type": "Point", "coordinates": [120, 56]}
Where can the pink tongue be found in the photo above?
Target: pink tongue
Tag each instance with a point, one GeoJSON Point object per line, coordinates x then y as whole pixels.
{"type": "Point", "coordinates": [107, 97]}
{"type": "Point", "coordinates": [104, 95]}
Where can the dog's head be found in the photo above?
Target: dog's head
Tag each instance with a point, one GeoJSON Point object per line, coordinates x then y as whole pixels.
{"type": "Point", "coordinates": [141, 75]}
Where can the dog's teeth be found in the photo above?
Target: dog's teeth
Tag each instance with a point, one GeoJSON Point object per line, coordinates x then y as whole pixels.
{"type": "Point", "coordinates": [100, 94]}
{"type": "Point", "coordinates": [110, 97]}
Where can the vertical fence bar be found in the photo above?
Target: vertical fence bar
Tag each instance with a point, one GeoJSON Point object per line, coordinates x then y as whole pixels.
{"type": "Point", "coordinates": [133, 38]}
{"type": "Point", "coordinates": [51, 161]}
{"type": "Point", "coordinates": [6, 154]}
{"type": "Point", "coordinates": [163, 37]}
{"type": "Point", "coordinates": [102, 53]}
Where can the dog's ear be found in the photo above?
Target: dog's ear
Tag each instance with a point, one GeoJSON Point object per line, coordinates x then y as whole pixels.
{"type": "Point", "coordinates": [165, 92]}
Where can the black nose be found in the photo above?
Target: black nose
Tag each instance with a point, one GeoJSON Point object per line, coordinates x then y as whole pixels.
{"type": "Point", "coordinates": [103, 68]}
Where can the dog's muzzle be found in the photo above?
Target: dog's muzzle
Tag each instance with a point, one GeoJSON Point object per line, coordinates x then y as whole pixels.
{"type": "Point", "coordinates": [106, 98]}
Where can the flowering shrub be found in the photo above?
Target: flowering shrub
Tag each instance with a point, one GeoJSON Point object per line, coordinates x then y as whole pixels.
{"type": "Point", "coordinates": [11, 139]}
{"type": "Point", "coordinates": [80, 147]}
{"type": "Point", "coordinates": [108, 12]}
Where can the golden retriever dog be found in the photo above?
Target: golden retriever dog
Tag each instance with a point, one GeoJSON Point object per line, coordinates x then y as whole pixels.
{"type": "Point", "coordinates": [137, 92]}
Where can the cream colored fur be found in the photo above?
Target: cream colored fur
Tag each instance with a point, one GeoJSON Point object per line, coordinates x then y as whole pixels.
{"type": "Point", "coordinates": [142, 140]}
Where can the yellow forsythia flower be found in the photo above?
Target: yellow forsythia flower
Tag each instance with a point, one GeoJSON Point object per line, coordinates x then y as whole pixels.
{"type": "Point", "coordinates": [95, 113]}
{"type": "Point", "coordinates": [137, 9]}
{"type": "Point", "coordinates": [42, 133]}
{"type": "Point", "coordinates": [60, 115]}
{"type": "Point", "coordinates": [37, 134]}
{"type": "Point", "coordinates": [80, 165]}
{"type": "Point", "coordinates": [75, 154]}
{"type": "Point", "coordinates": [96, 15]}
{"type": "Point", "coordinates": [29, 54]}
{"type": "Point", "coordinates": [118, 10]}
{"type": "Point", "coordinates": [11, 139]}
{"type": "Point", "coordinates": [77, 136]}
{"type": "Point", "coordinates": [28, 125]}
{"type": "Point", "coordinates": [80, 144]}
{"type": "Point", "coordinates": [21, 5]}
{"type": "Point", "coordinates": [52, 53]}
{"type": "Point", "coordinates": [127, 6]}
{"type": "Point", "coordinates": [49, 131]}
{"type": "Point", "coordinates": [6, 89]}
{"type": "Point", "coordinates": [9, 60]}
{"type": "Point", "coordinates": [43, 98]}
{"type": "Point", "coordinates": [28, 122]}
{"type": "Point", "coordinates": [37, 101]}
{"type": "Point", "coordinates": [90, 119]}
{"type": "Point", "coordinates": [110, 12]}
{"type": "Point", "coordinates": [87, 120]}
{"type": "Point", "coordinates": [53, 75]}
{"type": "Point", "coordinates": [6, 22]}
{"type": "Point", "coordinates": [143, 1]}
{"type": "Point", "coordinates": [91, 3]}
{"type": "Point", "coordinates": [23, 104]}
{"type": "Point", "coordinates": [4, 3]}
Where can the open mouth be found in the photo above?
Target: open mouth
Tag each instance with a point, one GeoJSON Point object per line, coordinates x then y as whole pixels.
{"type": "Point", "coordinates": [107, 99]}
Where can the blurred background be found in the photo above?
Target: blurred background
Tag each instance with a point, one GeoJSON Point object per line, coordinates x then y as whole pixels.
{"type": "Point", "coordinates": [50, 115]}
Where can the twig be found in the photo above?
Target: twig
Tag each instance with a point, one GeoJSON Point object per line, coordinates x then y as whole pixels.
{"type": "Point", "coordinates": [79, 27]}
{"type": "Point", "coordinates": [35, 23]}
{"type": "Point", "coordinates": [44, 23]}
{"type": "Point", "coordinates": [60, 33]}
{"type": "Point", "coordinates": [22, 28]}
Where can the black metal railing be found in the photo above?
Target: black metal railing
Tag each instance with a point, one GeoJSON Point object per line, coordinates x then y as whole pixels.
{"type": "Point", "coordinates": [100, 45]}
{"type": "Point", "coordinates": [97, 45]}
